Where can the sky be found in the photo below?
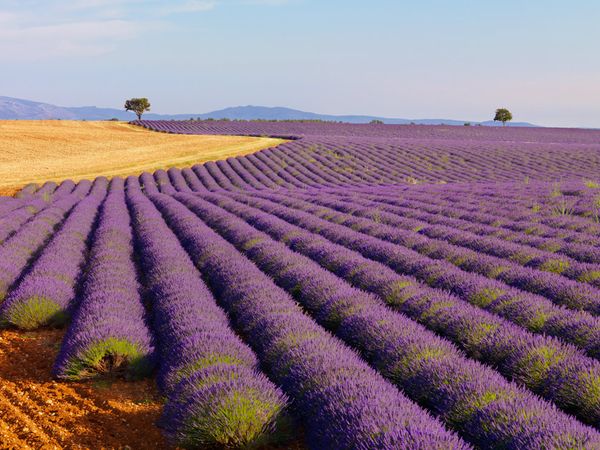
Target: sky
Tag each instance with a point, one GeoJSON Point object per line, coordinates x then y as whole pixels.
{"type": "Point", "coordinates": [406, 59]}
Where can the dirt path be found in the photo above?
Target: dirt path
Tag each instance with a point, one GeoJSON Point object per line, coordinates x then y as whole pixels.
{"type": "Point", "coordinates": [39, 413]}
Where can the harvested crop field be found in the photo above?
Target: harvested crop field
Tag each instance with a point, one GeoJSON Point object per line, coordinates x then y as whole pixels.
{"type": "Point", "coordinates": [55, 150]}
{"type": "Point", "coordinates": [389, 287]}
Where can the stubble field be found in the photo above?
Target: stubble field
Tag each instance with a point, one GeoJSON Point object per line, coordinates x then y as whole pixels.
{"type": "Point", "coordinates": [56, 150]}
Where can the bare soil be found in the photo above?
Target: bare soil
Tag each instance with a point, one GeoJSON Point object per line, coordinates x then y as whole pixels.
{"type": "Point", "coordinates": [37, 412]}
{"type": "Point", "coordinates": [37, 151]}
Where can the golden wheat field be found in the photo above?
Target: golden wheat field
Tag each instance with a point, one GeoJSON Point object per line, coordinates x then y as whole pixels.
{"type": "Point", "coordinates": [55, 150]}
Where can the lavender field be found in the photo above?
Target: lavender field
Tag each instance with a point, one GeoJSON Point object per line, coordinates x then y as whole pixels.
{"type": "Point", "coordinates": [357, 287]}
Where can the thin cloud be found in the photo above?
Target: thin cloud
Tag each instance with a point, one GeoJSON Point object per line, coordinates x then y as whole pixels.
{"type": "Point", "coordinates": [7, 17]}
{"type": "Point", "coordinates": [189, 6]}
{"type": "Point", "coordinates": [89, 38]}
{"type": "Point", "coordinates": [196, 6]}
{"type": "Point", "coordinates": [266, 2]}
{"type": "Point", "coordinates": [66, 29]}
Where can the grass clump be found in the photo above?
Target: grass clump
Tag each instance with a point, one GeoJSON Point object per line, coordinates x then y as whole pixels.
{"type": "Point", "coordinates": [485, 296]}
{"type": "Point", "coordinates": [35, 312]}
{"type": "Point", "coordinates": [557, 266]}
{"type": "Point", "coordinates": [109, 357]}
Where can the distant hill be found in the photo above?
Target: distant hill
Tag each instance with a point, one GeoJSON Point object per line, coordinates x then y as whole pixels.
{"type": "Point", "coordinates": [15, 108]}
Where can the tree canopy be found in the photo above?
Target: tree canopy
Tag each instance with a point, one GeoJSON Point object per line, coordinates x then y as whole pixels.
{"type": "Point", "coordinates": [138, 105]}
{"type": "Point", "coordinates": [503, 115]}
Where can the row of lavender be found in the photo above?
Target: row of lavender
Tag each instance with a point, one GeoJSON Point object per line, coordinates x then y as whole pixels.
{"type": "Point", "coordinates": [422, 153]}
{"type": "Point", "coordinates": [570, 281]}
{"type": "Point", "coordinates": [568, 210]}
{"type": "Point", "coordinates": [420, 340]}
{"type": "Point", "coordinates": [216, 394]}
{"type": "Point", "coordinates": [330, 161]}
{"type": "Point", "coordinates": [468, 309]}
{"type": "Point", "coordinates": [571, 205]}
{"type": "Point", "coordinates": [550, 282]}
{"type": "Point", "coordinates": [567, 276]}
{"type": "Point", "coordinates": [486, 134]}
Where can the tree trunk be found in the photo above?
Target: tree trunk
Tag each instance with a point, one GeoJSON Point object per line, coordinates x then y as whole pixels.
{"type": "Point", "coordinates": [139, 116]}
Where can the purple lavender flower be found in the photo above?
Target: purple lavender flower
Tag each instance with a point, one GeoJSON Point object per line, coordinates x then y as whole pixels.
{"type": "Point", "coordinates": [519, 354]}
{"type": "Point", "coordinates": [215, 394]}
{"type": "Point", "coordinates": [21, 248]}
{"type": "Point", "coordinates": [108, 332]}
{"type": "Point", "coordinates": [47, 292]}
{"type": "Point", "coordinates": [341, 401]}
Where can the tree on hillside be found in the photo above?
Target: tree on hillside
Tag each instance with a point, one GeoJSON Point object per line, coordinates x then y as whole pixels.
{"type": "Point", "coordinates": [138, 105]}
{"type": "Point", "coordinates": [503, 115]}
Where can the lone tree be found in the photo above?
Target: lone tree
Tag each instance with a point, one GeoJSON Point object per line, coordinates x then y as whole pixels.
{"type": "Point", "coordinates": [138, 105]}
{"type": "Point", "coordinates": [503, 115]}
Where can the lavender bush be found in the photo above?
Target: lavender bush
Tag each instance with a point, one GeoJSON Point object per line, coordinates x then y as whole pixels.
{"type": "Point", "coordinates": [47, 292]}
{"type": "Point", "coordinates": [426, 367]}
{"type": "Point", "coordinates": [109, 333]}
{"type": "Point", "coordinates": [215, 394]}
{"type": "Point", "coordinates": [359, 286]}
{"type": "Point", "coordinates": [342, 402]}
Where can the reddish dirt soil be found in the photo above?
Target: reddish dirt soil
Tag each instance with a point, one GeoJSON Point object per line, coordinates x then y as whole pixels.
{"type": "Point", "coordinates": [40, 413]}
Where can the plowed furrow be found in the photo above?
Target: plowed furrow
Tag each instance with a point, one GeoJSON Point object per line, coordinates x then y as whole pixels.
{"type": "Point", "coordinates": [75, 400]}
{"type": "Point", "coordinates": [27, 427]}
{"type": "Point", "coordinates": [68, 404]}
{"type": "Point", "coordinates": [10, 433]}
{"type": "Point", "coordinates": [37, 414]}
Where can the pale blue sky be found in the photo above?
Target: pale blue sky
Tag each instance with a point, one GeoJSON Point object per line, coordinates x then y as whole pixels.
{"type": "Point", "coordinates": [411, 59]}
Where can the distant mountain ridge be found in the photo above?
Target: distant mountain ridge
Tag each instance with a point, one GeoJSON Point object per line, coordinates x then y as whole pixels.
{"type": "Point", "coordinates": [19, 109]}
